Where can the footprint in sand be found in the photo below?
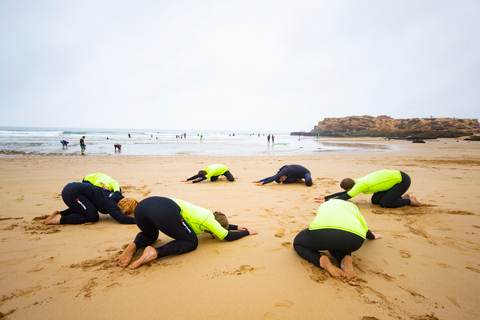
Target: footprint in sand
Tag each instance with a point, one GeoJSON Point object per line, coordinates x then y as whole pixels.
{"type": "Point", "coordinates": [280, 233]}
{"type": "Point", "coordinates": [286, 244]}
{"type": "Point", "coordinates": [284, 303]}
{"type": "Point", "coordinates": [405, 254]}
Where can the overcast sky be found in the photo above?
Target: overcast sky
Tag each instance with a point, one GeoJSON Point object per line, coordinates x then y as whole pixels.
{"type": "Point", "coordinates": [240, 65]}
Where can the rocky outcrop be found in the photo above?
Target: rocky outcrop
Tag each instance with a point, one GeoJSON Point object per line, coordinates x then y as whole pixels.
{"type": "Point", "coordinates": [385, 126]}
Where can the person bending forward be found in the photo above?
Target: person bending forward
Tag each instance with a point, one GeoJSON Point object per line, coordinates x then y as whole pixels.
{"type": "Point", "coordinates": [179, 220]}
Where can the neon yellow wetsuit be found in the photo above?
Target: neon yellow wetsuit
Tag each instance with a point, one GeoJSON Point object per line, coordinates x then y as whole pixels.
{"type": "Point", "coordinates": [341, 215]}
{"type": "Point", "coordinates": [98, 178]}
{"type": "Point", "coordinates": [200, 219]}
{"type": "Point", "coordinates": [382, 180]}
{"type": "Point", "coordinates": [387, 187]}
{"type": "Point", "coordinates": [179, 220]}
{"type": "Point", "coordinates": [213, 172]}
{"type": "Point", "coordinates": [338, 227]}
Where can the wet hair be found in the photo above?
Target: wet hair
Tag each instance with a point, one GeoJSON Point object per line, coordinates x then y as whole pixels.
{"type": "Point", "coordinates": [202, 173]}
{"type": "Point", "coordinates": [222, 219]}
{"type": "Point", "coordinates": [347, 183]}
{"type": "Point", "coordinates": [128, 205]}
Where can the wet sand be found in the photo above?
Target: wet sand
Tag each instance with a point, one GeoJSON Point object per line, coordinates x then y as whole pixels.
{"type": "Point", "coordinates": [426, 266]}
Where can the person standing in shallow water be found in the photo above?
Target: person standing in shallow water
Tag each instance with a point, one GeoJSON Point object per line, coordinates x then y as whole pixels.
{"type": "Point", "coordinates": [339, 228]}
{"type": "Point", "coordinates": [83, 146]}
{"type": "Point", "coordinates": [179, 220]}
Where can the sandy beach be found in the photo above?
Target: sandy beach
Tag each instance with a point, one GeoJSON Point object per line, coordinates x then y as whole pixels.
{"type": "Point", "coordinates": [426, 266]}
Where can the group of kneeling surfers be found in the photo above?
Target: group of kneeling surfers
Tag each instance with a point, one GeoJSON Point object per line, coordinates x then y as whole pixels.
{"type": "Point", "coordinates": [338, 226]}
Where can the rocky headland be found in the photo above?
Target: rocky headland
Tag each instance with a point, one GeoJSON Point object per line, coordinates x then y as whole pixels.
{"type": "Point", "coordinates": [385, 126]}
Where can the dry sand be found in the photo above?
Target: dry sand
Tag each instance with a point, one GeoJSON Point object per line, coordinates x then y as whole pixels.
{"type": "Point", "coordinates": [427, 266]}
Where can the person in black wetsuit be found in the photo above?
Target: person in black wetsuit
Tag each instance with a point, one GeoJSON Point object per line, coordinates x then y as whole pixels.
{"type": "Point", "coordinates": [179, 220]}
{"type": "Point", "coordinates": [289, 174]}
{"type": "Point", "coordinates": [84, 201]}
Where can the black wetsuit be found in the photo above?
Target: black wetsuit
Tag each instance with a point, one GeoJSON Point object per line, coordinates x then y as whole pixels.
{"type": "Point", "coordinates": [156, 214]}
{"type": "Point", "coordinates": [84, 201]}
{"type": "Point", "coordinates": [338, 242]}
{"type": "Point", "coordinates": [294, 173]}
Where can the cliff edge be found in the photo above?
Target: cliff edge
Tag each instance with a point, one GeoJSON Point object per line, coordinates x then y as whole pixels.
{"type": "Point", "coordinates": [385, 126]}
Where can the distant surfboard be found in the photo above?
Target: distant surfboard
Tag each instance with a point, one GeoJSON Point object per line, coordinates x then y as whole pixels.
{"type": "Point", "coordinates": [282, 144]}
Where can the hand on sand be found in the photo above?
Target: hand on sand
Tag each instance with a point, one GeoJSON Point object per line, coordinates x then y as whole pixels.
{"type": "Point", "coordinates": [377, 236]}
{"type": "Point", "coordinates": [320, 199]}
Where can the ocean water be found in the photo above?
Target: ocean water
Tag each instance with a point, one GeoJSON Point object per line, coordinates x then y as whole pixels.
{"type": "Point", "coordinates": [20, 141]}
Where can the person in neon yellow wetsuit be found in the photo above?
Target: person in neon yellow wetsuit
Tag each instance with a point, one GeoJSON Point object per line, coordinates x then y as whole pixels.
{"type": "Point", "coordinates": [339, 228]}
{"type": "Point", "coordinates": [103, 181]}
{"type": "Point", "coordinates": [211, 172]}
{"type": "Point", "coordinates": [388, 188]}
{"type": "Point", "coordinates": [179, 220]}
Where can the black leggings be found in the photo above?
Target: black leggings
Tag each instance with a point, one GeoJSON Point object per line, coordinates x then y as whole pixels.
{"type": "Point", "coordinates": [392, 198]}
{"type": "Point", "coordinates": [80, 208]}
{"type": "Point", "coordinates": [339, 243]}
{"type": "Point", "coordinates": [156, 214]}
{"type": "Point", "coordinates": [227, 174]}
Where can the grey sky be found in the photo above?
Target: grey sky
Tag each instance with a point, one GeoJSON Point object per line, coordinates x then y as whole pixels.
{"type": "Point", "coordinates": [239, 65]}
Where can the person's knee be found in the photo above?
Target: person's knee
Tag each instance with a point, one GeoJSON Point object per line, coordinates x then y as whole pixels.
{"type": "Point", "coordinates": [93, 217]}
{"type": "Point", "coordinates": [309, 182]}
{"type": "Point", "coordinates": [189, 246]}
{"type": "Point", "coordinates": [384, 204]}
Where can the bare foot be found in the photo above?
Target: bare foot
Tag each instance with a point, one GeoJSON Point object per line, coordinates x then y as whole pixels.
{"type": "Point", "coordinates": [335, 272]}
{"type": "Point", "coordinates": [54, 218]}
{"type": "Point", "coordinates": [414, 202]}
{"type": "Point", "coordinates": [127, 255]}
{"type": "Point", "coordinates": [406, 196]}
{"type": "Point", "coordinates": [148, 255]}
{"type": "Point", "coordinates": [347, 266]}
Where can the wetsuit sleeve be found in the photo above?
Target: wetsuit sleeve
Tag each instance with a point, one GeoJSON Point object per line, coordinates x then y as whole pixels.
{"type": "Point", "coordinates": [339, 195]}
{"type": "Point", "coordinates": [199, 179]}
{"type": "Point", "coordinates": [273, 178]}
{"type": "Point", "coordinates": [232, 227]}
{"type": "Point", "coordinates": [194, 177]}
{"type": "Point", "coordinates": [370, 235]}
{"type": "Point", "coordinates": [120, 217]}
{"type": "Point", "coordinates": [232, 236]}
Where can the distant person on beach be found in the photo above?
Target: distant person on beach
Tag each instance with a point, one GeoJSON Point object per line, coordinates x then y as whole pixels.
{"type": "Point", "coordinates": [84, 201]}
{"type": "Point", "coordinates": [289, 174]}
{"type": "Point", "coordinates": [179, 220]}
{"type": "Point", "coordinates": [64, 144]}
{"type": "Point", "coordinates": [211, 172]}
{"type": "Point", "coordinates": [339, 228]}
{"type": "Point", "coordinates": [118, 147]}
{"type": "Point", "coordinates": [83, 146]}
{"type": "Point", "coordinates": [388, 188]}
{"type": "Point", "coordinates": [273, 139]}
{"type": "Point", "coordinates": [268, 139]}
{"type": "Point", "coordinates": [103, 181]}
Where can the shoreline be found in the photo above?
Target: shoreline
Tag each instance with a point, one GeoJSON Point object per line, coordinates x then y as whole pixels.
{"type": "Point", "coordinates": [425, 267]}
